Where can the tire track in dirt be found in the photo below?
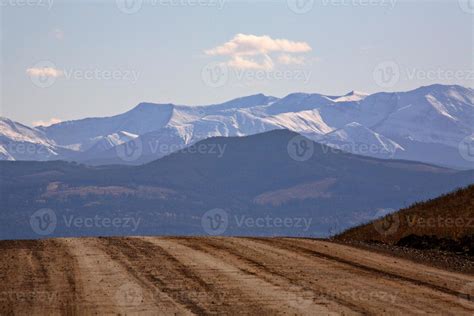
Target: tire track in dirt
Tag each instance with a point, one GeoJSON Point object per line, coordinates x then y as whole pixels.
{"type": "Point", "coordinates": [219, 275]}
{"type": "Point", "coordinates": [31, 281]}
{"type": "Point", "coordinates": [168, 276]}
{"type": "Point", "coordinates": [107, 288]}
{"type": "Point", "coordinates": [322, 279]}
{"type": "Point", "coordinates": [291, 244]}
{"type": "Point", "coordinates": [253, 291]}
{"type": "Point", "coordinates": [449, 299]}
{"type": "Point", "coordinates": [443, 280]}
{"type": "Point", "coordinates": [254, 264]}
{"type": "Point", "coordinates": [358, 287]}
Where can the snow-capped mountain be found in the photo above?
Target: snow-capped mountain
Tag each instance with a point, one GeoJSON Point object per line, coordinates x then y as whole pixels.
{"type": "Point", "coordinates": [20, 142]}
{"type": "Point", "coordinates": [352, 96]}
{"type": "Point", "coordinates": [81, 135]}
{"type": "Point", "coordinates": [426, 124]}
{"type": "Point", "coordinates": [361, 140]}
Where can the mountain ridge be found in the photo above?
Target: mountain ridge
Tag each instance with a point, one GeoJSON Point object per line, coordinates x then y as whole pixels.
{"type": "Point", "coordinates": [436, 118]}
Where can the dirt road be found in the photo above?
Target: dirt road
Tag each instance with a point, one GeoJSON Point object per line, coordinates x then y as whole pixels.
{"type": "Point", "coordinates": [249, 276]}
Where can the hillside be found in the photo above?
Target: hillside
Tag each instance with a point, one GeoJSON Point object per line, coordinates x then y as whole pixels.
{"type": "Point", "coordinates": [446, 223]}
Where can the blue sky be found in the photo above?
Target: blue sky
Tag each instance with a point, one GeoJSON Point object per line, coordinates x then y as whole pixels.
{"type": "Point", "coordinates": [95, 59]}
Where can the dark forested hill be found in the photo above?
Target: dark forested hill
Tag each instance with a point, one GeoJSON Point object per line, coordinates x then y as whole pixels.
{"type": "Point", "coordinates": [277, 174]}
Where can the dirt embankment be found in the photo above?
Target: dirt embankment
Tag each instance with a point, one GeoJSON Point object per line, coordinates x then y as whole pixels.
{"type": "Point", "coordinates": [181, 276]}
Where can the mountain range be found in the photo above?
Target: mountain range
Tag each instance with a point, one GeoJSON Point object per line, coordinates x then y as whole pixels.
{"type": "Point", "coordinates": [427, 124]}
{"type": "Point", "coordinates": [242, 181]}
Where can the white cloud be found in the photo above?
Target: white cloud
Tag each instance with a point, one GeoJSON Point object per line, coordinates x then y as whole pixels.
{"type": "Point", "coordinates": [48, 122]}
{"type": "Point", "coordinates": [243, 44]}
{"type": "Point", "coordinates": [241, 62]}
{"type": "Point", "coordinates": [245, 49]}
{"type": "Point", "coordinates": [44, 72]}
{"type": "Point", "coordinates": [286, 59]}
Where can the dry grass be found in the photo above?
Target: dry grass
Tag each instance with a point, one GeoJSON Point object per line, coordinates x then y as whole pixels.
{"type": "Point", "coordinates": [450, 216]}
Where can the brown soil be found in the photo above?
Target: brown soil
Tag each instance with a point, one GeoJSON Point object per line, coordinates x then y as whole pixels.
{"type": "Point", "coordinates": [220, 276]}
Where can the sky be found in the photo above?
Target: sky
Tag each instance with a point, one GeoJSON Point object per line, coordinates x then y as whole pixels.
{"type": "Point", "coordinates": [64, 60]}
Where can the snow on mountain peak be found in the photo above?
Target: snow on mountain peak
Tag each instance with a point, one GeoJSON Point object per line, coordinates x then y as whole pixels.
{"type": "Point", "coordinates": [352, 96]}
{"type": "Point", "coordinates": [433, 118]}
{"type": "Point", "coordinates": [358, 139]}
{"type": "Point", "coordinates": [296, 102]}
{"type": "Point", "coordinates": [244, 102]}
{"type": "Point", "coordinates": [147, 106]}
{"type": "Point", "coordinates": [18, 132]}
